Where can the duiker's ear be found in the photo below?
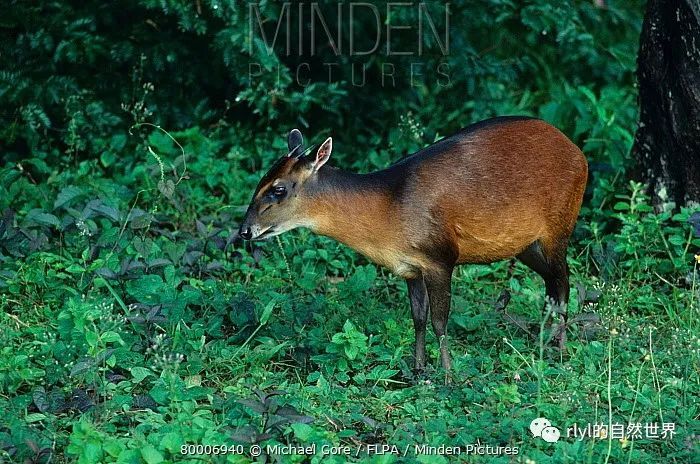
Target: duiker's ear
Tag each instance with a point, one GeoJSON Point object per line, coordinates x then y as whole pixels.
{"type": "Point", "coordinates": [323, 153]}
{"type": "Point", "coordinates": [295, 143]}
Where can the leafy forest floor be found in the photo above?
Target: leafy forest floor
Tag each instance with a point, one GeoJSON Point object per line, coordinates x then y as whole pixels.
{"type": "Point", "coordinates": [134, 323]}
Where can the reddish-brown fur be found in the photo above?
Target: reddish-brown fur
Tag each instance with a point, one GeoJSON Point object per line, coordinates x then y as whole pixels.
{"type": "Point", "coordinates": [488, 198]}
{"type": "Point", "coordinates": [504, 188]}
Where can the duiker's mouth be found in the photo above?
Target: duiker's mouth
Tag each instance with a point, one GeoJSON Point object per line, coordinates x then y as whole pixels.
{"type": "Point", "coordinates": [267, 233]}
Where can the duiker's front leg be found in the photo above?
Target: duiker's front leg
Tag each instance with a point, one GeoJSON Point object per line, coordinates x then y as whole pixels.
{"type": "Point", "coordinates": [439, 289]}
{"type": "Point", "coordinates": [419, 310]}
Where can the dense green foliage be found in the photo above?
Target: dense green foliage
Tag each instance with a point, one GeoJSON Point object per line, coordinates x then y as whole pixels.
{"type": "Point", "coordinates": [133, 321]}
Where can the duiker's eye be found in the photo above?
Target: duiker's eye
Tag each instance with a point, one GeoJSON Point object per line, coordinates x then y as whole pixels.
{"type": "Point", "coordinates": [280, 191]}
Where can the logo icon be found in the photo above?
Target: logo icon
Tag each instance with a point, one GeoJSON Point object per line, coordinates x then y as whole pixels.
{"type": "Point", "coordinates": [542, 428]}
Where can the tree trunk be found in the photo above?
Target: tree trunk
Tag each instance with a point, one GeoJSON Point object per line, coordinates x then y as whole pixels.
{"type": "Point", "coordinates": [667, 143]}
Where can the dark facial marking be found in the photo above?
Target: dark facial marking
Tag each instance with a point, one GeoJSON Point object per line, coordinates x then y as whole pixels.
{"type": "Point", "coordinates": [281, 167]}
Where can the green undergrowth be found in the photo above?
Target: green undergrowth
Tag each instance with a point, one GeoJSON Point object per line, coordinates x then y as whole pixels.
{"type": "Point", "coordinates": [134, 322]}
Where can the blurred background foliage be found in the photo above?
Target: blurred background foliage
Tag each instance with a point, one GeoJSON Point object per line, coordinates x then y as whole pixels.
{"type": "Point", "coordinates": [77, 75]}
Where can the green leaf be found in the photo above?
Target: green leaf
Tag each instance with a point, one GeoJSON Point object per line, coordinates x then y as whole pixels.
{"type": "Point", "coordinates": [151, 455]}
{"type": "Point", "coordinates": [75, 269]}
{"type": "Point", "coordinates": [118, 141]}
{"type": "Point", "coordinates": [146, 289]}
{"type": "Point", "coordinates": [348, 326]}
{"type": "Point", "coordinates": [106, 211]}
{"type": "Point", "coordinates": [39, 217]}
{"type": "Point", "coordinates": [139, 219]}
{"type": "Point", "coordinates": [34, 417]}
{"type": "Point", "coordinates": [172, 441]}
{"type": "Point", "coordinates": [82, 366]}
{"type": "Point", "coordinates": [107, 158]}
{"type": "Point", "coordinates": [161, 142]}
{"type": "Point", "coordinates": [92, 452]}
{"type": "Point", "coordinates": [129, 456]}
{"type": "Point", "coordinates": [140, 373]}
{"type": "Point", "coordinates": [66, 195]}
{"type": "Point", "coordinates": [362, 279]}
{"type": "Point", "coordinates": [167, 188]}
{"type": "Point", "coordinates": [302, 431]}
{"type": "Point", "coordinates": [113, 448]}
{"type": "Point", "coordinates": [351, 351]}
{"type": "Point", "coordinates": [112, 337]}
{"type": "Point", "coordinates": [159, 392]}
{"type": "Point", "coordinates": [267, 312]}
{"type": "Point", "coordinates": [91, 338]}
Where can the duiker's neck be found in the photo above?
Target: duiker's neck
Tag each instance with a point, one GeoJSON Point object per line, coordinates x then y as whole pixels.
{"type": "Point", "coordinates": [355, 209]}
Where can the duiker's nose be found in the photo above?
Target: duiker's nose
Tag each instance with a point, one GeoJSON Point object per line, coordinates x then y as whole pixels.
{"type": "Point", "coordinates": [245, 233]}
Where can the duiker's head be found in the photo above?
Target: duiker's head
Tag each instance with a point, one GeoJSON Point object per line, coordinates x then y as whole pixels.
{"type": "Point", "coordinates": [278, 204]}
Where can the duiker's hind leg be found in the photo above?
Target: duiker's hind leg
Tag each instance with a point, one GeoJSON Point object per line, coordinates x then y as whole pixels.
{"type": "Point", "coordinates": [555, 272]}
{"type": "Point", "coordinates": [557, 288]}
